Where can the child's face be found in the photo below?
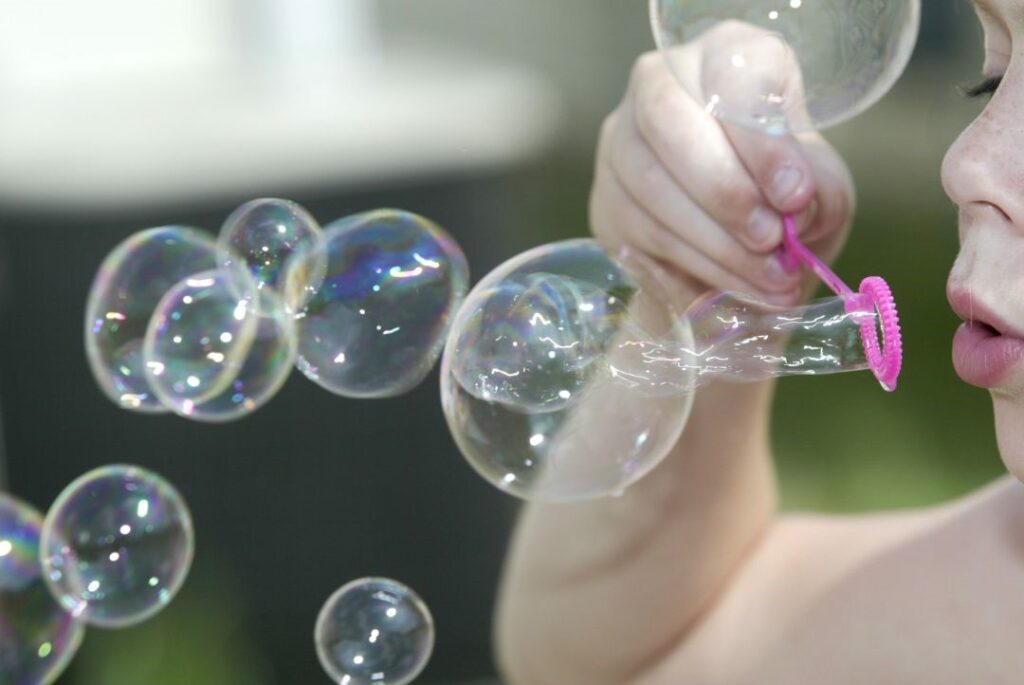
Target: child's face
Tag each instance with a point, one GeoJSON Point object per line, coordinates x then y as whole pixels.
{"type": "Point", "coordinates": [983, 174]}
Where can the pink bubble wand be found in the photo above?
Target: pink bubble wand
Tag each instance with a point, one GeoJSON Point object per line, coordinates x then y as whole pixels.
{"type": "Point", "coordinates": [874, 299]}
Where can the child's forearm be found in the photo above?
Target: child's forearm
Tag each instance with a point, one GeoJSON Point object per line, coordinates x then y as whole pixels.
{"type": "Point", "coordinates": [597, 592]}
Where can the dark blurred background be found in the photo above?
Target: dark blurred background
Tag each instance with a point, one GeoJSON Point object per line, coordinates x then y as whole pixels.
{"type": "Point", "coordinates": [117, 115]}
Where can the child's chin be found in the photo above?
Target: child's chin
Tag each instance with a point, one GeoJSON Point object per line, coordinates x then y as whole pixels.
{"type": "Point", "coordinates": [1009, 415]}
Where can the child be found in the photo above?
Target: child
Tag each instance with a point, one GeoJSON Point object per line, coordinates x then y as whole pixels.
{"type": "Point", "coordinates": [692, 576]}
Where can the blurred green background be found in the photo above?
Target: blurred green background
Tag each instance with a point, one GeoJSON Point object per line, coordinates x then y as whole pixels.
{"type": "Point", "coordinates": [286, 504]}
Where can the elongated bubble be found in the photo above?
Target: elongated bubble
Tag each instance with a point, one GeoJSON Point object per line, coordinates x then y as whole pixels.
{"type": "Point", "coordinates": [567, 375]}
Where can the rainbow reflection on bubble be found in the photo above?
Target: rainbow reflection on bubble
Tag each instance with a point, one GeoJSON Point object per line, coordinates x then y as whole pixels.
{"type": "Point", "coordinates": [117, 545]}
{"type": "Point", "coordinates": [37, 637]}
{"type": "Point", "coordinates": [377, 322]}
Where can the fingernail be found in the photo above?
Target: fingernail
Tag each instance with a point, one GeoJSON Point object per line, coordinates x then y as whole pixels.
{"type": "Point", "coordinates": [776, 273]}
{"type": "Point", "coordinates": [786, 183]}
{"type": "Point", "coordinates": [763, 227]}
{"type": "Point", "coordinates": [785, 300]}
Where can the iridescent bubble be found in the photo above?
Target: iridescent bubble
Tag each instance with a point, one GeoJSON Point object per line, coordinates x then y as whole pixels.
{"type": "Point", "coordinates": [129, 284]}
{"type": "Point", "coordinates": [117, 545]}
{"type": "Point", "coordinates": [37, 637]}
{"type": "Point", "coordinates": [377, 323]}
{"type": "Point", "coordinates": [265, 234]}
{"type": "Point", "coordinates": [199, 337]}
{"type": "Point", "coordinates": [374, 630]}
{"type": "Point", "coordinates": [555, 381]}
{"type": "Point", "coordinates": [786, 66]}
{"type": "Point", "coordinates": [263, 371]}
{"type": "Point", "coordinates": [534, 338]}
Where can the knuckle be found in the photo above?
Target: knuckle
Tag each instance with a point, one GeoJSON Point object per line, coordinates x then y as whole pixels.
{"type": "Point", "coordinates": [659, 114]}
{"type": "Point", "coordinates": [732, 196]}
{"type": "Point", "coordinates": [645, 65]}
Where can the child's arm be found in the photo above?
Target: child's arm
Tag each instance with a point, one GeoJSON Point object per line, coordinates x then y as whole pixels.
{"type": "Point", "coordinates": [598, 592]}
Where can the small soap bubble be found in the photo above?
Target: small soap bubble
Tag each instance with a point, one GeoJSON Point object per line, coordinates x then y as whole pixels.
{"type": "Point", "coordinates": [37, 637]}
{"type": "Point", "coordinates": [199, 337]}
{"type": "Point", "coordinates": [265, 234]}
{"type": "Point", "coordinates": [786, 66]}
{"type": "Point", "coordinates": [374, 630]}
{"type": "Point", "coordinates": [127, 288]}
{"type": "Point", "coordinates": [263, 371]}
{"type": "Point", "coordinates": [377, 323]}
{"type": "Point", "coordinates": [117, 545]}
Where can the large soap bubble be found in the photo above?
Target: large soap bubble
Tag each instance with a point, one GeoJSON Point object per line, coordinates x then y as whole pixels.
{"type": "Point", "coordinates": [131, 281]}
{"type": "Point", "coordinates": [377, 322]}
{"type": "Point", "coordinates": [37, 637]}
{"type": "Point", "coordinates": [546, 381]}
{"type": "Point", "coordinates": [786, 65]}
{"type": "Point", "coordinates": [374, 630]}
{"type": "Point", "coordinates": [117, 545]}
{"type": "Point", "coordinates": [569, 375]}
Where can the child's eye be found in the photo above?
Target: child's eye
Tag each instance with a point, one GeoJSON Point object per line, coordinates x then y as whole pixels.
{"type": "Point", "coordinates": [986, 88]}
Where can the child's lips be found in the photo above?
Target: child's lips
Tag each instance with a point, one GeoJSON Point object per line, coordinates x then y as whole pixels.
{"type": "Point", "coordinates": [985, 349]}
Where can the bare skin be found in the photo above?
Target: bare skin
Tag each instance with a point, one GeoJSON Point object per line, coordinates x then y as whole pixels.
{"type": "Point", "coordinates": [692, 576]}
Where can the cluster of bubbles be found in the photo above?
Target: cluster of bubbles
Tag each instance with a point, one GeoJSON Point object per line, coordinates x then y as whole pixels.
{"type": "Point", "coordinates": [112, 551]}
{"type": "Point", "coordinates": [570, 374]}
{"type": "Point", "coordinates": [374, 630]}
{"type": "Point", "coordinates": [211, 329]}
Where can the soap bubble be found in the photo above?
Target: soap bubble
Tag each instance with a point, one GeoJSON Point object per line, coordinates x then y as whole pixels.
{"type": "Point", "coordinates": [786, 65]}
{"type": "Point", "coordinates": [261, 373]}
{"type": "Point", "coordinates": [117, 545]}
{"type": "Point", "coordinates": [554, 380]}
{"type": "Point", "coordinates": [199, 336]}
{"type": "Point", "coordinates": [376, 325]}
{"type": "Point", "coordinates": [374, 630]}
{"type": "Point", "coordinates": [37, 637]}
{"type": "Point", "coordinates": [265, 234]}
{"type": "Point", "coordinates": [129, 284]}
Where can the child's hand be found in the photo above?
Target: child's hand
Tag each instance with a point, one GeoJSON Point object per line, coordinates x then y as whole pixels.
{"type": "Point", "coordinates": [704, 198]}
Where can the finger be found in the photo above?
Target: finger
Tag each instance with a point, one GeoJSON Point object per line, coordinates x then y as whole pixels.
{"type": "Point", "coordinates": [640, 173]}
{"type": "Point", "coordinates": [833, 206]}
{"type": "Point", "coordinates": [700, 157]}
{"type": "Point", "coordinates": [778, 165]}
{"type": "Point", "coordinates": [614, 212]}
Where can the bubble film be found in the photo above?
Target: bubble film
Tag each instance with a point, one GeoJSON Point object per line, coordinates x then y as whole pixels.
{"type": "Point", "coordinates": [546, 380]}
{"type": "Point", "coordinates": [117, 545]}
{"type": "Point", "coordinates": [127, 288]}
{"type": "Point", "coordinates": [261, 373]}
{"type": "Point", "coordinates": [786, 65]}
{"type": "Point", "coordinates": [568, 376]}
{"type": "Point", "coordinates": [376, 325]}
{"type": "Point", "coordinates": [374, 630]}
{"type": "Point", "coordinates": [264, 234]}
{"type": "Point", "coordinates": [199, 337]}
{"type": "Point", "coordinates": [740, 339]}
{"type": "Point", "coordinates": [37, 637]}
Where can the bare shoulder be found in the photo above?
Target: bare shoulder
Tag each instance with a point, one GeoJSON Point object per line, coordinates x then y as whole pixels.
{"type": "Point", "coordinates": [923, 596]}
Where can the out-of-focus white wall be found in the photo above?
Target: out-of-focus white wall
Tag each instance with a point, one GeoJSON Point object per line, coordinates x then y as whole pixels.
{"type": "Point", "coordinates": [110, 103]}
{"type": "Point", "coordinates": [586, 47]}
